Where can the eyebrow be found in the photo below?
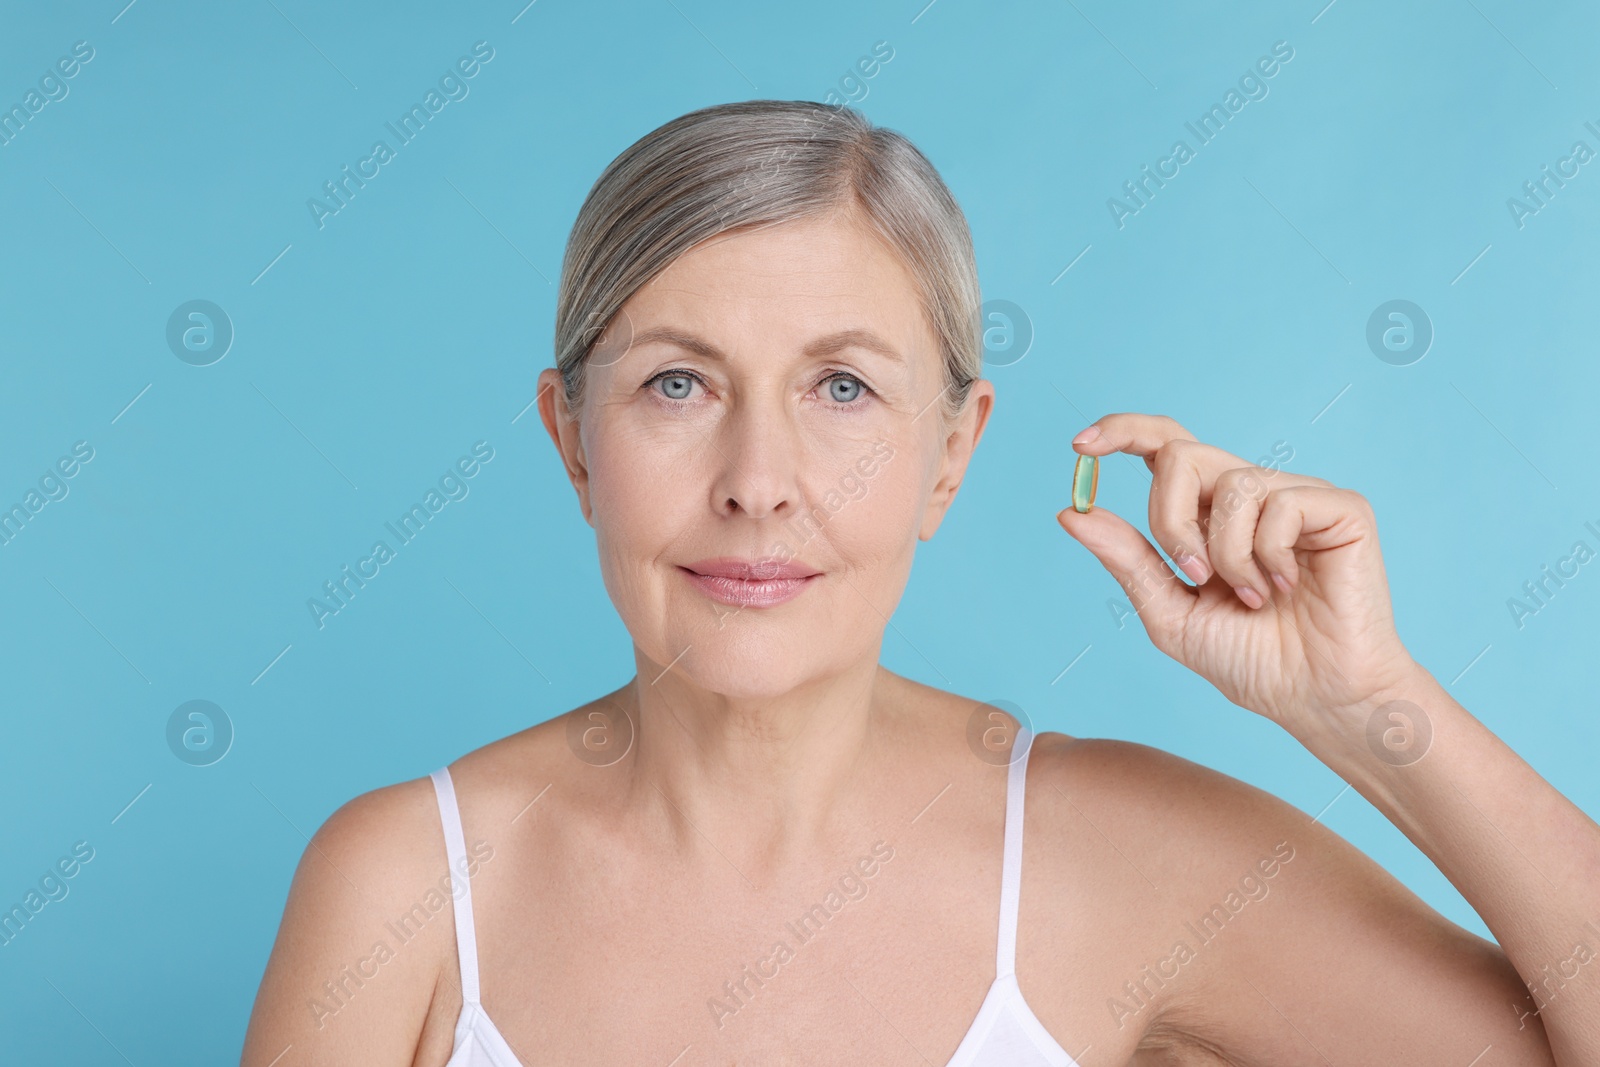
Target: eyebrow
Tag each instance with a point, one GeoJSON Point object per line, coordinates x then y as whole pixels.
{"type": "Point", "coordinates": [821, 346]}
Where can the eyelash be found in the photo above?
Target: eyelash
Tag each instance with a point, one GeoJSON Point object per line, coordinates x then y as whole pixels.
{"type": "Point", "coordinates": [676, 372]}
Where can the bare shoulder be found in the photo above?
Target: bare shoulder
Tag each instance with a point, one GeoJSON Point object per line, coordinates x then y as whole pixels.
{"type": "Point", "coordinates": [348, 978]}
{"type": "Point", "coordinates": [364, 964]}
{"type": "Point", "coordinates": [1259, 932]}
{"type": "Point", "coordinates": [1155, 786]}
{"type": "Point", "coordinates": [1194, 834]}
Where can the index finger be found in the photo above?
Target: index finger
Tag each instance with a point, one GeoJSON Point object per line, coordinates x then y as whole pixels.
{"type": "Point", "coordinates": [1132, 432]}
{"type": "Point", "coordinates": [1146, 435]}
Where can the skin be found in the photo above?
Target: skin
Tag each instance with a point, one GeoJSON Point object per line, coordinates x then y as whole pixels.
{"type": "Point", "coordinates": [627, 880]}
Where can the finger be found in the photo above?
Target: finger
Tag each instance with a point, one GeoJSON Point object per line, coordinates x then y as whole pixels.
{"type": "Point", "coordinates": [1145, 435]}
{"type": "Point", "coordinates": [1236, 504]}
{"type": "Point", "coordinates": [1177, 491]}
{"type": "Point", "coordinates": [1132, 432]}
{"type": "Point", "coordinates": [1276, 533]}
{"type": "Point", "coordinates": [1159, 596]}
{"type": "Point", "coordinates": [1150, 435]}
{"type": "Point", "coordinates": [1310, 517]}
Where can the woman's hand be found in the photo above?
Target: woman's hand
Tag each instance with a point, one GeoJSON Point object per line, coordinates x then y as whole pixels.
{"type": "Point", "coordinates": [1290, 615]}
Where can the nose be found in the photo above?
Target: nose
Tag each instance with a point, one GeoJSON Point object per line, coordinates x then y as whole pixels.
{"type": "Point", "coordinates": [757, 450]}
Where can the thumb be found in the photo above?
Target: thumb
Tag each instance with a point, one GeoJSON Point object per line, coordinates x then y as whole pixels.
{"type": "Point", "coordinates": [1158, 595]}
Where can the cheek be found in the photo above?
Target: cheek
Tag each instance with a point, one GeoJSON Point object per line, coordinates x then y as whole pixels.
{"type": "Point", "coordinates": [632, 497]}
{"type": "Point", "coordinates": [638, 481]}
{"type": "Point", "coordinates": [863, 519]}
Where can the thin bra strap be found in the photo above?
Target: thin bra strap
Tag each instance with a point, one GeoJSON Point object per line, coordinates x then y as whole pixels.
{"type": "Point", "coordinates": [1011, 871]}
{"type": "Point", "coordinates": [455, 846]}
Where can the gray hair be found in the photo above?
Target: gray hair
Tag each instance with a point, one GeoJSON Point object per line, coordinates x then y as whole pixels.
{"type": "Point", "coordinates": [764, 162]}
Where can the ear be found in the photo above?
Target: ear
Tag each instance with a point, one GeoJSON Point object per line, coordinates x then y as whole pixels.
{"type": "Point", "coordinates": [564, 430]}
{"type": "Point", "coordinates": [959, 444]}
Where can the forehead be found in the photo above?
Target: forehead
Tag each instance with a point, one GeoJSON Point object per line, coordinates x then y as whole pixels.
{"type": "Point", "coordinates": [801, 277]}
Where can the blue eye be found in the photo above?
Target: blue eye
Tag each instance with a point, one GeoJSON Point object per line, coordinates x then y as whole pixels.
{"type": "Point", "coordinates": [851, 389]}
{"type": "Point", "coordinates": [846, 388]}
{"type": "Point", "coordinates": [677, 384]}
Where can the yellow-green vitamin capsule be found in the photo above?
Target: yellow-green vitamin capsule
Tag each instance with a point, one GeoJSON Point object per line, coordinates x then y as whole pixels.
{"type": "Point", "coordinates": [1085, 480]}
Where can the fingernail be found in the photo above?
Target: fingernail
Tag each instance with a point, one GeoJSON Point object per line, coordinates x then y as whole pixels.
{"type": "Point", "coordinates": [1192, 566]}
{"type": "Point", "coordinates": [1249, 596]}
{"type": "Point", "coordinates": [1086, 436]}
{"type": "Point", "coordinates": [1280, 581]}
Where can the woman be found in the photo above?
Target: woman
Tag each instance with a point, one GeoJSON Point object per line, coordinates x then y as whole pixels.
{"type": "Point", "coordinates": [765, 848]}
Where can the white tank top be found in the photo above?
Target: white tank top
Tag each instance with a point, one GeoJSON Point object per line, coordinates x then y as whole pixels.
{"type": "Point", "coordinates": [1005, 1032]}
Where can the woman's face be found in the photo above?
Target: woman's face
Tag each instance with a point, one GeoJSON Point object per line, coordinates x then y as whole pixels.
{"type": "Point", "coordinates": [771, 398]}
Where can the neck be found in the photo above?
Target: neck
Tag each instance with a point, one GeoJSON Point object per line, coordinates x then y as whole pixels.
{"type": "Point", "coordinates": [761, 778]}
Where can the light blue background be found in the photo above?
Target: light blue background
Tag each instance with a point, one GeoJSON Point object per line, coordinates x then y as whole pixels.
{"type": "Point", "coordinates": [376, 350]}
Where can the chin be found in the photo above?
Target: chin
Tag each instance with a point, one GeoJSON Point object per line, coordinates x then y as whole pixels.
{"type": "Point", "coordinates": [745, 664]}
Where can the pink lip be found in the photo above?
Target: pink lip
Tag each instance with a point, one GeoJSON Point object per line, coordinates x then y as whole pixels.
{"type": "Point", "coordinates": [760, 569]}
{"type": "Point", "coordinates": [750, 583]}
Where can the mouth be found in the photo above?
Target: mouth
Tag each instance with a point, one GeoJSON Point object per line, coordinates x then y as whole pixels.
{"type": "Point", "coordinates": [750, 583]}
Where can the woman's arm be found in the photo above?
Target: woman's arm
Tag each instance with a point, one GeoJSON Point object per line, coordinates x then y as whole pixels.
{"type": "Point", "coordinates": [1257, 934]}
{"type": "Point", "coordinates": [1524, 856]}
{"type": "Point", "coordinates": [350, 978]}
{"type": "Point", "coordinates": [1290, 618]}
